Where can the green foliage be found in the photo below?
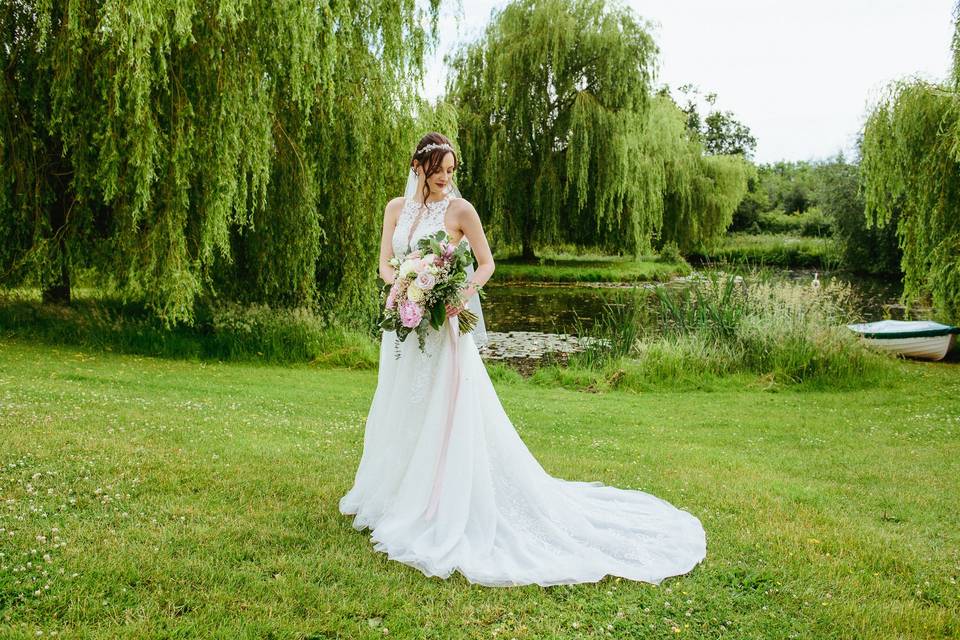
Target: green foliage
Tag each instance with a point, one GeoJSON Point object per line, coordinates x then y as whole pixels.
{"type": "Point", "coordinates": [755, 201]}
{"type": "Point", "coordinates": [205, 148]}
{"type": "Point", "coordinates": [723, 134]}
{"type": "Point", "coordinates": [786, 333]}
{"type": "Point", "coordinates": [670, 253]}
{"type": "Point", "coordinates": [911, 171]}
{"type": "Point", "coordinates": [702, 192]}
{"type": "Point", "coordinates": [714, 310]}
{"type": "Point", "coordinates": [552, 104]}
{"type": "Point", "coordinates": [862, 247]}
{"type": "Point", "coordinates": [789, 186]}
{"type": "Point", "coordinates": [614, 332]}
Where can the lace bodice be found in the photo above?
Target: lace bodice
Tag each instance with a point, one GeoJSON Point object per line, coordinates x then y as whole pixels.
{"type": "Point", "coordinates": [431, 221]}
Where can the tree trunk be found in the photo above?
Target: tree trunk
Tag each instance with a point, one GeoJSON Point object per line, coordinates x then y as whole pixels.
{"type": "Point", "coordinates": [58, 291]}
{"type": "Point", "coordinates": [528, 255]}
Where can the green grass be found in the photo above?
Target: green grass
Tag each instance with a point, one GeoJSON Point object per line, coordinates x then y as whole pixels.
{"type": "Point", "coordinates": [199, 500]}
{"type": "Point", "coordinates": [772, 250]}
{"type": "Point", "coordinates": [588, 268]}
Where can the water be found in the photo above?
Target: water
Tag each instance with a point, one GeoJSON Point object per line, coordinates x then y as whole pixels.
{"type": "Point", "coordinates": [554, 308]}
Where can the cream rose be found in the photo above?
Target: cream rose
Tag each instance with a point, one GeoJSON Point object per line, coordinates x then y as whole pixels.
{"type": "Point", "coordinates": [415, 293]}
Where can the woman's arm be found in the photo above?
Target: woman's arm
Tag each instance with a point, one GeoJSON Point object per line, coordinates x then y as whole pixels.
{"type": "Point", "coordinates": [473, 231]}
{"type": "Point", "coordinates": [390, 214]}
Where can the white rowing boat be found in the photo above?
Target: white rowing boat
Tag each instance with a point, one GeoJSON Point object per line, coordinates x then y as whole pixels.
{"type": "Point", "coordinates": [916, 339]}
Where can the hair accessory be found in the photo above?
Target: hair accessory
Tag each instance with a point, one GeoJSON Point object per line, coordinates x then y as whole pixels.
{"type": "Point", "coordinates": [432, 146]}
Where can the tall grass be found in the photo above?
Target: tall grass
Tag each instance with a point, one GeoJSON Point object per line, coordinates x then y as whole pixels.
{"type": "Point", "coordinates": [788, 331]}
{"type": "Point", "coordinates": [615, 331]}
{"type": "Point", "coordinates": [725, 327]}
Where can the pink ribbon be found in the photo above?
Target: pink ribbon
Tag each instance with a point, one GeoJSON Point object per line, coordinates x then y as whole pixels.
{"type": "Point", "coordinates": [448, 427]}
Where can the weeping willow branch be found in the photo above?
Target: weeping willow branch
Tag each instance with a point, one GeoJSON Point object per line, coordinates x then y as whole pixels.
{"type": "Point", "coordinates": [911, 167]}
{"type": "Point", "coordinates": [211, 146]}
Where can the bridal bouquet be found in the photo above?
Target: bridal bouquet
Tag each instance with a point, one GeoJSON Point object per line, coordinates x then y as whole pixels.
{"type": "Point", "coordinates": [425, 281]}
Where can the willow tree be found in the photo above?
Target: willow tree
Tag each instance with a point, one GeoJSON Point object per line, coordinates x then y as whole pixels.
{"type": "Point", "coordinates": [552, 102]}
{"type": "Point", "coordinates": [911, 166]}
{"type": "Point", "coordinates": [188, 148]}
{"type": "Point", "coordinates": [691, 196]}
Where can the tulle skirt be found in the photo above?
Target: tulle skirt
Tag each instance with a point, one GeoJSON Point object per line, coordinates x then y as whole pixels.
{"type": "Point", "coordinates": [446, 484]}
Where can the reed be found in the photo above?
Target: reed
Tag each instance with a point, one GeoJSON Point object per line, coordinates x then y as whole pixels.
{"type": "Point", "coordinates": [726, 328]}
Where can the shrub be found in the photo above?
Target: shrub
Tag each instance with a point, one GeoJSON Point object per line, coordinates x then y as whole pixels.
{"type": "Point", "coordinates": [225, 332]}
{"type": "Point", "coordinates": [670, 253]}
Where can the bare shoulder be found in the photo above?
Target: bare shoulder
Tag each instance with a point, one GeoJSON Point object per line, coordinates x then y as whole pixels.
{"type": "Point", "coordinates": [462, 208]}
{"type": "Point", "coordinates": [393, 208]}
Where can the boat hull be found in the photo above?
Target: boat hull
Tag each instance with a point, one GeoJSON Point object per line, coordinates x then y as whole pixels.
{"type": "Point", "coordinates": [927, 348]}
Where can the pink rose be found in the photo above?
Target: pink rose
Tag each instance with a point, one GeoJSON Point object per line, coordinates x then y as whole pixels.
{"type": "Point", "coordinates": [448, 249]}
{"type": "Point", "coordinates": [410, 314]}
{"type": "Point", "coordinates": [426, 280]}
{"type": "Point", "coordinates": [392, 296]}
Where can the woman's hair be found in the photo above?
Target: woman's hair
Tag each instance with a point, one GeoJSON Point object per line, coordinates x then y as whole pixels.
{"type": "Point", "coordinates": [432, 160]}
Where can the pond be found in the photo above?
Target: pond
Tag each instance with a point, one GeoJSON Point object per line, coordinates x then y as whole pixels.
{"type": "Point", "coordinates": [555, 308]}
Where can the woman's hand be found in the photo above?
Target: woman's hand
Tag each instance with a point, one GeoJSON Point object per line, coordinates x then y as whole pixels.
{"type": "Point", "coordinates": [464, 296]}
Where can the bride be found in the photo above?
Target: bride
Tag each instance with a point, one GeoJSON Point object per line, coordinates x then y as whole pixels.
{"type": "Point", "coordinates": [445, 483]}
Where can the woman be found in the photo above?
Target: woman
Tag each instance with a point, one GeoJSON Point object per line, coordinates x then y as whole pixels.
{"type": "Point", "coordinates": [445, 483]}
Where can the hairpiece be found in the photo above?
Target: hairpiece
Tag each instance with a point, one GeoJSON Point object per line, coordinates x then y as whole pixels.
{"type": "Point", "coordinates": [432, 146]}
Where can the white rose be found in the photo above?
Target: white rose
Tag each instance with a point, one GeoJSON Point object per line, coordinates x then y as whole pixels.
{"type": "Point", "coordinates": [408, 267]}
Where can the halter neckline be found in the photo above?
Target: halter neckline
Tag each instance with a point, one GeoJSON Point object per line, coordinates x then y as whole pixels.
{"type": "Point", "coordinates": [445, 198]}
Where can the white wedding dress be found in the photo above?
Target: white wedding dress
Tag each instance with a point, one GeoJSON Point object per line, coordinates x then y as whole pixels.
{"type": "Point", "coordinates": [465, 494]}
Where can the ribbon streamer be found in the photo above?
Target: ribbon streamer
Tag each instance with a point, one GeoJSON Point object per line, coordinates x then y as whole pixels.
{"type": "Point", "coordinates": [448, 427]}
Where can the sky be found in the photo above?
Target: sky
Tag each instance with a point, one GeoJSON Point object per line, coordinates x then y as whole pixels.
{"type": "Point", "coordinates": [801, 75]}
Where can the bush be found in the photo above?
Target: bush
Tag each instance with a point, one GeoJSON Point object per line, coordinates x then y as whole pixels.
{"type": "Point", "coordinates": [670, 253]}
{"type": "Point", "coordinates": [224, 332]}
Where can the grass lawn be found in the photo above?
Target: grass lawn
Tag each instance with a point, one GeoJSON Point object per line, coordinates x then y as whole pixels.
{"type": "Point", "coordinates": [588, 268]}
{"type": "Point", "coordinates": [144, 497]}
